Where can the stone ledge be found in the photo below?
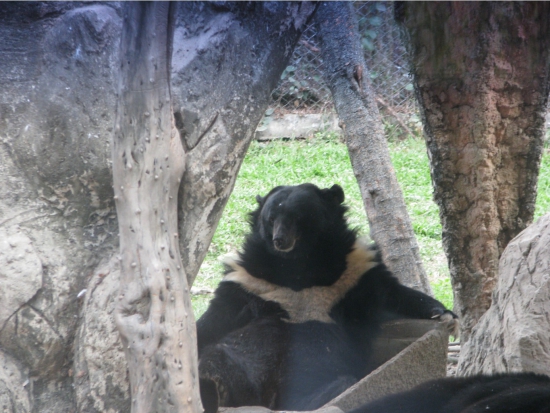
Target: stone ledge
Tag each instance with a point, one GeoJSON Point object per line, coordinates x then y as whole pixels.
{"type": "Point", "coordinates": [415, 360]}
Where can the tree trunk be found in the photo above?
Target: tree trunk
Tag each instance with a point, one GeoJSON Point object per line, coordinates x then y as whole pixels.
{"type": "Point", "coordinates": [154, 313]}
{"type": "Point", "coordinates": [216, 124]}
{"type": "Point", "coordinates": [227, 59]}
{"type": "Point", "coordinates": [348, 79]}
{"type": "Point", "coordinates": [481, 77]}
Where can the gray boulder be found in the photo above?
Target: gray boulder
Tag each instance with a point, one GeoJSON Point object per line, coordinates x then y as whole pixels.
{"type": "Point", "coordinates": [514, 334]}
{"type": "Point", "coordinates": [57, 218]}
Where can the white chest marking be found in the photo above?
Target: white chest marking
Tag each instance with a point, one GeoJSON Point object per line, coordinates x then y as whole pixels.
{"type": "Point", "coordinates": [309, 304]}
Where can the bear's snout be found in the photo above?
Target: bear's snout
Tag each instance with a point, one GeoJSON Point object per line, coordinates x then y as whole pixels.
{"type": "Point", "coordinates": [283, 244]}
{"type": "Point", "coordinates": [284, 238]}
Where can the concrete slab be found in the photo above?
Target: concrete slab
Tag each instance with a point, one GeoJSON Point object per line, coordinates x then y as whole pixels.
{"type": "Point", "coordinates": [417, 360]}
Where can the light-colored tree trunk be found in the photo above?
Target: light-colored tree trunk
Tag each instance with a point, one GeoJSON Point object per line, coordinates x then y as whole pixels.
{"type": "Point", "coordinates": [481, 73]}
{"type": "Point", "coordinates": [347, 77]}
{"type": "Point", "coordinates": [154, 314]}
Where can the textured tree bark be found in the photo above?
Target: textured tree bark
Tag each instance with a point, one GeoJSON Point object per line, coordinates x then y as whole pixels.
{"type": "Point", "coordinates": [154, 314]}
{"type": "Point", "coordinates": [348, 79]}
{"type": "Point", "coordinates": [227, 59]}
{"type": "Point", "coordinates": [481, 77]}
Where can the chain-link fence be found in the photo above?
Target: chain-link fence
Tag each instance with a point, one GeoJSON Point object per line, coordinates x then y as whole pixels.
{"type": "Point", "coordinates": [303, 91]}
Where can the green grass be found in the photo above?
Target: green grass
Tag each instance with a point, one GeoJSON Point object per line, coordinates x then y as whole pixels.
{"type": "Point", "coordinates": [412, 168]}
{"type": "Point", "coordinates": [543, 188]}
{"type": "Point", "coordinates": [324, 161]}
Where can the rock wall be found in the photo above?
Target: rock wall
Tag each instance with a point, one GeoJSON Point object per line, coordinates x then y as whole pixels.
{"type": "Point", "coordinates": [59, 269]}
{"type": "Point", "coordinates": [57, 220]}
{"type": "Point", "coordinates": [100, 368]}
{"type": "Point", "coordinates": [514, 334]}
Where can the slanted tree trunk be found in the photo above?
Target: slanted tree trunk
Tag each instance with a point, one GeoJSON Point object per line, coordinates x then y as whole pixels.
{"type": "Point", "coordinates": [154, 314]}
{"type": "Point", "coordinates": [481, 77]}
{"type": "Point", "coordinates": [227, 59]}
{"type": "Point", "coordinates": [348, 79]}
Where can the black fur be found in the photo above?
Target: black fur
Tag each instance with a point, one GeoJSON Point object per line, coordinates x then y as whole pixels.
{"type": "Point", "coordinates": [325, 238]}
{"type": "Point", "coordinates": [501, 393]}
{"type": "Point", "coordinates": [256, 351]}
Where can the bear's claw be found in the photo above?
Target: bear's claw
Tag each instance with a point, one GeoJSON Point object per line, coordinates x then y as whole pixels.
{"type": "Point", "coordinates": [450, 319]}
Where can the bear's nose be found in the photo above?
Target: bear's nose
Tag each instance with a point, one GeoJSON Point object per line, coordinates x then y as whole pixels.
{"type": "Point", "coordinates": [283, 244]}
{"type": "Point", "coordinates": [278, 242]}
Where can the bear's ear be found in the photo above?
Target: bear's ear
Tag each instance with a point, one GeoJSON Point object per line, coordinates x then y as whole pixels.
{"type": "Point", "coordinates": [335, 194]}
{"type": "Point", "coordinates": [261, 199]}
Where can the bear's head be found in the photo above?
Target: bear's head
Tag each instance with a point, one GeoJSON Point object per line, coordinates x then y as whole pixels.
{"type": "Point", "coordinates": [290, 218]}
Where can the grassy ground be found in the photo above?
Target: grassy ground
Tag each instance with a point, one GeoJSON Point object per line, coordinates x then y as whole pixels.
{"type": "Point", "coordinates": [324, 161]}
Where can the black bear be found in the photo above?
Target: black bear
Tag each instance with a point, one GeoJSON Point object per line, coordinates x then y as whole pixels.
{"type": "Point", "coordinates": [292, 322]}
{"type": "Point", "coordinates": [501, 393]}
